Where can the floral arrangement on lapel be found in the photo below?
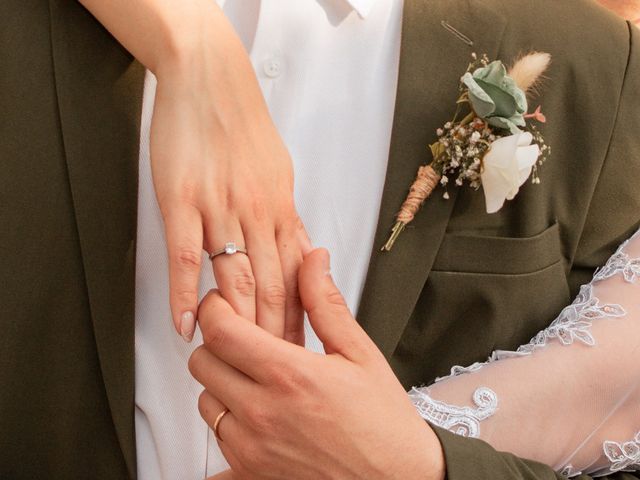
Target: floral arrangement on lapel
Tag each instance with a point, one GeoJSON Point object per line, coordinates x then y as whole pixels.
{"type": "Point", "coordinates": [493, 146]}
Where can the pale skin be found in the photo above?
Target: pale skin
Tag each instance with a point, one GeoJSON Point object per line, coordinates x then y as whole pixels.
{"type": "Point", "coordinates": [220, 169]}
{"type": "Point", "coordinates": [352, 419]}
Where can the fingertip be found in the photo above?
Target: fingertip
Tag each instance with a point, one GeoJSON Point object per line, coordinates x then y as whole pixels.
{"type": "Point", "coordinates": [187, 326]}
{"type": "Point", "coordinates": [212, 302]}
{"type": "Point", "coordinates": [211, 293]}
{"type": "Point", "coordinates": [313, 272]}
{"type": "Point", "coordinates": [183, 315]}
{"type": "Point", "coordinates": [317, 260]}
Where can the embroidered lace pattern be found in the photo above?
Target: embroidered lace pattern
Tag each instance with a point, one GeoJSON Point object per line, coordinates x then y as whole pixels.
{"type": "Point", "coordinates": [620, 263]}
{"type": "Point", "coordinates": [623, 456]}
{"type": "Point", "coordinates": [573, 325]}
{"type": "Point", "coordinates": [463, 421]}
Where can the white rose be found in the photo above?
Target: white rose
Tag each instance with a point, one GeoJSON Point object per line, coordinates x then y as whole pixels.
{"type": "Point", "coordinates": [507, 165]}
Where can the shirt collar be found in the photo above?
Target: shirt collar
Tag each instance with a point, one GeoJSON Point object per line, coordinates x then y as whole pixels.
{"type": "Point", "coordinates": [363, 7]}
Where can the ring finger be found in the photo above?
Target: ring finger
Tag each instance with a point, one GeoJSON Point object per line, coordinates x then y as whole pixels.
{"type": "Point", "coordinates": [232, 271]}
{"type": "Point", "coordinates": [212, 410]}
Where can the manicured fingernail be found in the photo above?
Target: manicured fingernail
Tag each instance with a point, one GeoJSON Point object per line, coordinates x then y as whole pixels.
{"type": "Point", "coordinates": [187, 326]}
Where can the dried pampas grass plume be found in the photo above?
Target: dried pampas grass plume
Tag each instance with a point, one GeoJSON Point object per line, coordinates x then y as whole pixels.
{"type": "Point", "coordinates": [528, 70]}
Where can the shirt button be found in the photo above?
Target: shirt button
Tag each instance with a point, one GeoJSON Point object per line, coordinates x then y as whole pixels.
{"type": "Point", "coordinates": [272, 68]}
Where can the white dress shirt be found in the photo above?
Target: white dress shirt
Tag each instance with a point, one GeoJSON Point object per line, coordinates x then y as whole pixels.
{"type": "Point", "coordinates": [328, 70]}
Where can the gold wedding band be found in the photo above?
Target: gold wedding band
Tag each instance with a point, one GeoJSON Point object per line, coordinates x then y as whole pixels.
{"type": "Point", "coordinates": [217, 423]}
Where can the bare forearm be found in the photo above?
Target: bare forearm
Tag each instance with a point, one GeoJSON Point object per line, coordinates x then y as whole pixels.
{"type": "Point", "coordinates": [190, 46]}
{"type": "Point", "coordinates": [156, 30]}
{"type": "Point", "coordinates": [174, 35]}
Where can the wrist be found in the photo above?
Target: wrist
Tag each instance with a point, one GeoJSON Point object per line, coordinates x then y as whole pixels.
{"type": "Point", "coordinates": [436, 463]}
{"type": "Point", "coordinates": [197, 33]}
{"type": "Point", "coordinates": [211, 64]}
{"type": "Point", "coordinates": [430, 462]}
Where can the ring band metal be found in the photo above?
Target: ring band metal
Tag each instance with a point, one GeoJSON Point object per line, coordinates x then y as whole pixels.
{"type": "Point", "coordinates": [230, 248]}
{"type": "Point", "coordinates": [216, 424]}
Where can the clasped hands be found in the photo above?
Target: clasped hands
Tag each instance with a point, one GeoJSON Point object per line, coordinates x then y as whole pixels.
{"type": "Point", "coordinates": [296, 414]}
{"type": "Point", "coordinates": [222, 173]}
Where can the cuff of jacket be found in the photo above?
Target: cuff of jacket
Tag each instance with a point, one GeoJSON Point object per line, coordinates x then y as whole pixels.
{"type": "Point", "coordinates": [469, 458]}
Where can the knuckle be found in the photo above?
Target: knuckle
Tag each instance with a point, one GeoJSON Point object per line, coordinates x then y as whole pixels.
{"type": "Point", "coordinates": [335, 298]}
{"type": "Point", "coordinates": [187, 192]}
{"type": "Point", "coordinates": [260, 418]}
{"type": "Point", "coordinates": [274, 295]}
{"type": "Point", "coordinates": [244, 283]}
{"type": "Point", "coordinates": [214, 336]}
{"type": "Point", "coordinates": [187, 258]}
{"type": "Point", "coordinates": [195, 360]}
{"type": "Point", "coordinates": [253, 458]}
{"type": "Point", "coordinates": [204, 405]}
{"type": "Point", "coordinates": [259, 209]}
{"type": "Point", "coordinates": [298, 380]}
{"type": "Point", "coordinates": [180, 295]}
{"type": "Point", "coordinates": [290, 222]}
{"type": "Point", "coordinates": [183, 193]}
{"type": "Point", "coordinates": [291, 380]}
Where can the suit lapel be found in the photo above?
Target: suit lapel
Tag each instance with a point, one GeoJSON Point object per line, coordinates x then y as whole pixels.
{"type": "Point", "coordinates": [433, 57]}
{"type": "Point", "coordinates": [99, 89]}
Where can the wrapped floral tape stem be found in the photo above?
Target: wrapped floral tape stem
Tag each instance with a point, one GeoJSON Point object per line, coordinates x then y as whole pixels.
{"type": "Point", "coordinates": [426, 181]}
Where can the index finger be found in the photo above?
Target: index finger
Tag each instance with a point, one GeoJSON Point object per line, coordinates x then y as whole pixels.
{"type": "Point", "coordinates": [244, 345]}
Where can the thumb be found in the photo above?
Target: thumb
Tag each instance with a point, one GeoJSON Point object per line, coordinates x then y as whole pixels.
{"type": "Point", "coordinates": [328, 313]}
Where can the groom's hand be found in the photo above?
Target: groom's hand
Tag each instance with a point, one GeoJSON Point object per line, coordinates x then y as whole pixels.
{"type": "Point", "coordinates": [298, 414]}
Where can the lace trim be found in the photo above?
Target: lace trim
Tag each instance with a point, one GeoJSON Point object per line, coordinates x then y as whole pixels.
{"type": "Point", "coordinates": [464, 421]}
{"type": "Point", "coordinates": [575, 321]}
{"type": "Point", "coordinates": [620, 262]}
{"type": "Point", "coordinates": [572, 325]}
{"type": "Point", "coordinates": [623, 456]}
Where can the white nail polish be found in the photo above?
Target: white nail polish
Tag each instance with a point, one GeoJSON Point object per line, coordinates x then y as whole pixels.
{"type": "Point", "coordinates": [187, 326]}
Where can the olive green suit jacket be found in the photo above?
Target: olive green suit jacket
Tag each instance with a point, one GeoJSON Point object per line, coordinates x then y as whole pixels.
{"type": "Point", "coordinates": [459, 283]}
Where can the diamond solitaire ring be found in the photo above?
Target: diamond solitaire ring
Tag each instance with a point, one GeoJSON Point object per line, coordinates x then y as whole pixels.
{"type": "Point", "coordinates": [229, 249]}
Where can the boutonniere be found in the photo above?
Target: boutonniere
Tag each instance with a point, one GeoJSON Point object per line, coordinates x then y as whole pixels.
{"type": "Point", "coordinates": [491, 142]}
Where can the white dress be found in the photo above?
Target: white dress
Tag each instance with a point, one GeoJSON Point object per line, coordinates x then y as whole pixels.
{"type": "Point", "coordinates": [571, 397]}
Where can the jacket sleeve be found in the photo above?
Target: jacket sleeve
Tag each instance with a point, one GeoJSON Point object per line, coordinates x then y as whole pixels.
{"type": "Point", "coordinates": [470, 458]}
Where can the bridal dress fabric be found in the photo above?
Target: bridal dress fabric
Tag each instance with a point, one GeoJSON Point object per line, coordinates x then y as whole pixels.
{"type": "Point", "coordinates": [571, 397]}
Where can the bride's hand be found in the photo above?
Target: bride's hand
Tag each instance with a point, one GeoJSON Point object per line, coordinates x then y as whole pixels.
{"type": "Point", "coordinates": [220, 169]}
{"type": "Point", "coordinates": [222, 174]}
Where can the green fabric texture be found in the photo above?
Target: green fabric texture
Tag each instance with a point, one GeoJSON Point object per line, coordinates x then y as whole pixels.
{"type": "Point", "coordinates": [458, 284]}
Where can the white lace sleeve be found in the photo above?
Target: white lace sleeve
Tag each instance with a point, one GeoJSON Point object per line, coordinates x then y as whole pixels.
{"type": "Point", "coordinates": [571, 397]}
